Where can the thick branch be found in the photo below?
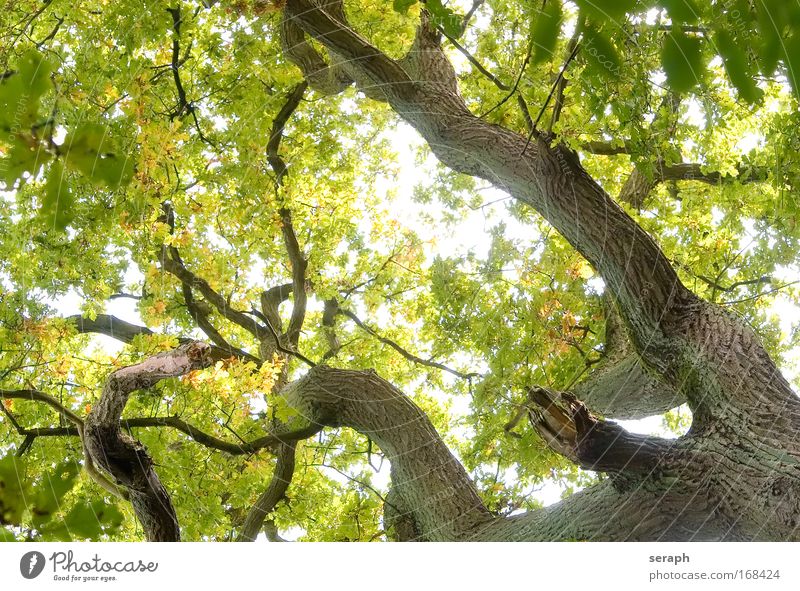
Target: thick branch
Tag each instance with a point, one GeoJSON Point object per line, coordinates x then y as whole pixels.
{"type": "Point", "coordinates": [375, 68]}
{"type": "Point", "coordinates": [322, 76]}
{"type": "Point", "coordinates": [276, 134]}
{"type": "Point", "coordinates": [330, 311]}
{"type": "Point", "coordinates": [275, 492]}
{"type": "Point", "coordinates": [570, 430]}
{"type": "Point", "coordinates": [621, 386]}
{"type": "Point", "coordinates": [110, 326]}
{"type": "Point", "coordinates": [125, 332]}
{"type": "Point", "coordinates": [550, 179]}
{"type": "Point", "coordinates": [271, 301]}
{"type": "Point", "coordinates": [299, 265]}
{"type": "Point", "coordinates": [627, 390]}
{"type": "Point", "coordinates": [124, 458]}
{"type": "Point", "coordinates": [616, 511]}
{"type": "Point", "coordinates": [425, 475]}
{"type": "Point", "coordinates": [639, 185]}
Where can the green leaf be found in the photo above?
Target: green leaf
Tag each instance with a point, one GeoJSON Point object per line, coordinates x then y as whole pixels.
{"type": "Point", "coordinates": [737, 66]}
{"type": "Point", "coordinates": [34, 73]}
{"type": "Point", "coordinates": [682, 11]}
{"type": "Point", "coordinates": [90, 150]}
{"type": "Point", "coordinates": [402, 6]}
{"type": "Point", "coordinates": [14, 491]}
{"type": "Point", "coordinates": [606, 10]}
{"type": "Point", "coordinates": [50, 493]}
{"type": "Point", "coordinates": [600, 54]}
{"type": "Point", "coordinates": [88, 521]}
{"type": "Point", "coordinates": [21, 92]}
{"type": "Point", "coordinates": [546, 30]}
{"type": "Point", "coordinates": [21, 158]}
{"type": "Point", "coordinates": [682, 59]}
{"type": "Point", "coordinates": [58, 202]}
{"type": "Point", "coordinates": [445, 18]}
{"type": "Point", "coordinates": [114, 170]}
{"type": "Point", "coordinates": [6, 535]}
{"type": "Point", "coordinates": [792, 58]}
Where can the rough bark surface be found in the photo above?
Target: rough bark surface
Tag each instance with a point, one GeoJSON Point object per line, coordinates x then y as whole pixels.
{"type": "Point", "coordinates": [126, 459]}
{"type": "Point", "coordinates": [427, 480]}
{"type": "Point", "coordinates": [621, 387]}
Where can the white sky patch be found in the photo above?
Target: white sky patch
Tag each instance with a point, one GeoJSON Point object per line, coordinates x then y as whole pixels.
{"type": "Point", "coordinates": [471, 233]}
{"type": "Point", "coordinates": [749, 142]}
{"type": "Point", "coordinates": [648, 426]}
{"type": "Point", "coordinates": [694, 113]}
{"type": "Point", "coordinates": [717, 215]}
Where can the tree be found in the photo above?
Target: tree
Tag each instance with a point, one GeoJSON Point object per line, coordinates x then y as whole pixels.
{"type": "Point", "coordinates": [223, 167]}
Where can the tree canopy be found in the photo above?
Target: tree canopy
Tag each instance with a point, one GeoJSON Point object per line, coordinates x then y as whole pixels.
{"type": "Point", "coordinates": [254, 252]}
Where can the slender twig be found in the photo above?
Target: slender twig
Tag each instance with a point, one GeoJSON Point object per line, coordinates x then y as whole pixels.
{"type": "Point", "coordinates": [278, 344]}
{"type": "Point", "coordinates": [405, 353]}
{"type": "Point", "coordinates": [51, 34]}
{"type": "Point", "coordinates": [474, 61]}
{"type": "Point", "coordinates": [760, 295]}
{"type": "Point", "coordinates": [514, 88]}
{"type": "Point", "coordinates": [271, 440]}
{"type": "Point", "coordinates": [550, 96]}
{"type": "Point", "coordinates": [562, 83]}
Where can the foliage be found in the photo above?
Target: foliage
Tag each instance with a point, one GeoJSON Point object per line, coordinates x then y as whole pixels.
{"type": "Point", "coordinates": [96, 135]}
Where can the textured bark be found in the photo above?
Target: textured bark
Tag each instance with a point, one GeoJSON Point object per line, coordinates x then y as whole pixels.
{"type": "Point", "coordinates": [698, 487]}
{"type": "Point", "coordinates": [637, 188]}
{"type": "Point", "coordinates": [427, 480]}
{"type": "Point", "coordinates": [126, 459]}
{"type": "Point", "coordinates": [570, 429]}
{"type": "Point", "coordinates": [622, 387]}
{"type": "Point", "coordinates": [548, 178]}
{"type": "Point", "coordinates": [627, 390]}
{"type": "Point", "coordinates": [620, 511]}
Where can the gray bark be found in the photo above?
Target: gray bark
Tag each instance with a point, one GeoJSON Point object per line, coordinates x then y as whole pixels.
{"type": "Point", "coordinates": [622, 387]}
{"type": "Point", "coordinates": [427, 480]}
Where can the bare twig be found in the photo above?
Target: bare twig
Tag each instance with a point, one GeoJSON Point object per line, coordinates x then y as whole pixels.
{"type": "Point", "coordinates": [408, 355]}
